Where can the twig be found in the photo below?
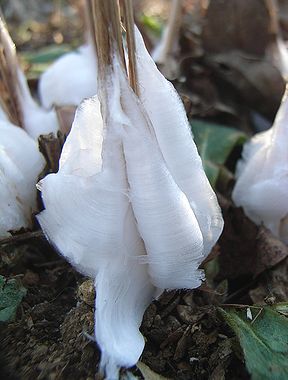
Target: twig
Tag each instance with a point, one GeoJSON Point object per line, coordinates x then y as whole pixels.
{"type": "Point", "coordinates": [21, 237]}
{"type": "Point", "coordinates": [49, 263]}
{"type": "Point", "coordinates": [257, 315]}
{"type": "Point", "coordinates": [240, 306]}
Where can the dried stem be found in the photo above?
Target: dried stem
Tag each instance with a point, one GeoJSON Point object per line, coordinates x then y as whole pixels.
{"type": "Point", "coordinates": [21, 237]}
{"type": "Point", "coordinates": [106, 33]}
{"type": "Point", "coordinates": [129, 26]}
{"type": "Point", "coordinates": [89, 23]}
{"type": "Point", "coordinates": [172, 29]}
{"type": "Point", "coordinates": [101, 30]}
{"type": "Point", "coordinates": [114, 12]}
{"type": "Point", "coordinates": [10, 90]}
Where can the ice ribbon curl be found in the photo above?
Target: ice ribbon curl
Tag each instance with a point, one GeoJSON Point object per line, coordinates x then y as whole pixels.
{"type": "Point", "coordinates": [148, 214]}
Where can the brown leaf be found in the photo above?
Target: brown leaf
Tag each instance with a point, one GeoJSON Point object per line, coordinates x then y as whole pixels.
{"type": "Point", "coordinates": [270, 250]}
{"type": "Point", "coordinates": [189, 315]}
{"type": "Point", "coordinates": [273, 285]}
{"type": "Point", "coordinates": [283, 17]}
{"type": "Point", "coordinates": [181, 347]}
{"type": "Point", "coordinates": [148, 374]}
{"type": "Point", "coordinates": [237, 244]}
{"type": "Point", "coordinates": [65, 115]}
{"type": "Point", "coordinates": [245, 248]}
{"type": "Point", "coordinates": [248, 26]}
{"type": "Point", "coordinates": [258, 82]}
{"type": "Point", "coordinates": [237, 50]}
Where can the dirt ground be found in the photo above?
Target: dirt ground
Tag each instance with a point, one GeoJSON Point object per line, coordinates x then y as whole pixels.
{"type": "Point", "coordinates": [51, 337]}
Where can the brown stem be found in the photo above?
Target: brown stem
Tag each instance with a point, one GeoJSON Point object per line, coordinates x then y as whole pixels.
{"type": "Point", "coordinates": [10, 89]}
{"type": "Point", "coordinates": [89, 22]}
{"type": "Point", "coordinates": [101, 30]}
{"type": "Point", "coordinates": [172, 29]}
{"type": "Point", "coordinates": [114, 11]}
{"type": "Point", "coordinates": [107, 33]}
{"type": "Point", "coordinates": [21, 237]}
{"type": "Point", "coordinates": [129, 26]}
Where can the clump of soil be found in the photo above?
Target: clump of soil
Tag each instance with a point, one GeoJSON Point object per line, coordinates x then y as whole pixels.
{"type": "Point", "coordinates": [52, 337]}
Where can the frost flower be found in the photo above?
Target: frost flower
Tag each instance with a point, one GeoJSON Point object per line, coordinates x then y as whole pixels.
{"type": "Point", "coordinates": [130, 205]}
{"type": "Point", "coordinates": [262, 176]}
{"type": "Point", "coordinates": [20, 166]}
{"type": "Point", "coordinates": [89, 218]}
{"type": "Point", "coordinates": [70, 79]}
{"type": "Point", "coordinates": [36, 120]}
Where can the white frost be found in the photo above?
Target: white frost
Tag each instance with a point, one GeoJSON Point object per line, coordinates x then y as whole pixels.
{"type": "Point", "coordinates": [70, 79]}
{"type": "Point", "coordinates": [262, 176]}
{"type": "Point", "coordinates": [37, 121]}
{"type": "Point", "coordinates": [20, 166]}
{"type": "Point", "coordinates": [169, 120]}
{"type": "Point", "coordinates": [130, 205]}
{"type": "Point", "coordinates": [88, 217]}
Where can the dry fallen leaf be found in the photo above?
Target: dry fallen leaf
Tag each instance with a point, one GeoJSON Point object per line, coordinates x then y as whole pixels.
{"type": "Point", "coordinates": [245, 248]}
{"type": "Point", "coordinates": [270, 250]}
{"type": "Point", "coordinates": [249, 26]}
{"type": "Point", "coordinates": [274, 284]}
{"type": "Point", "coordinates": [148, 374]}
{"type": "Point", "coordinates": [65, 115]}
{"type": "Point", "coordinates": [258, 82]}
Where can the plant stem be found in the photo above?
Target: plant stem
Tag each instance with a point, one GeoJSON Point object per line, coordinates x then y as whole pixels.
{"type": "Point", "coordinates": [106, 32]}
{"type": "Point", "coordinates": [172, 30]}
{"type": "Point", "coordinates": [10, 89]}
{"type": "Point", "coordinates": [129, 26]}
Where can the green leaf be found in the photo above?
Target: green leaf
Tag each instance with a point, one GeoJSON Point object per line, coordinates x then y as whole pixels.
{"type": "Point", "coordinates": [153, 24]}
{"type": "Point", "coordinates": [281, 307]}
{"type": "Point", "coordinates": [47, 54]}
{"type": "Point", "coordinates": [11, 294]}
{"type": "Point", "coordinates": [215, 143]}
{"type": "Point", "coordinates": [263, 335]}
{"type": "Point", "coordinates": [40, 60]}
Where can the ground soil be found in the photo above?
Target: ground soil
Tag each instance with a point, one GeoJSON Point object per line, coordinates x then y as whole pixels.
{"type": "Point", "coordinates": [52, 337]}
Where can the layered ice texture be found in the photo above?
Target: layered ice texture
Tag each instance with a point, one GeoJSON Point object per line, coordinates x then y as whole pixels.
{"type": "Point", "coordinates": [130, 205]}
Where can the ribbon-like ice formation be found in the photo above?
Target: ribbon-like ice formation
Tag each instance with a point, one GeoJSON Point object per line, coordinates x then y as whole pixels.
{"type": "Point", "coordinates": [70, 79]}
{"type": "Point", "coordinates": [262, 176]}
{"type": "Point", "coordinates": [130, 205]}
{"type": "Point", "coordinates": [20, 165]}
